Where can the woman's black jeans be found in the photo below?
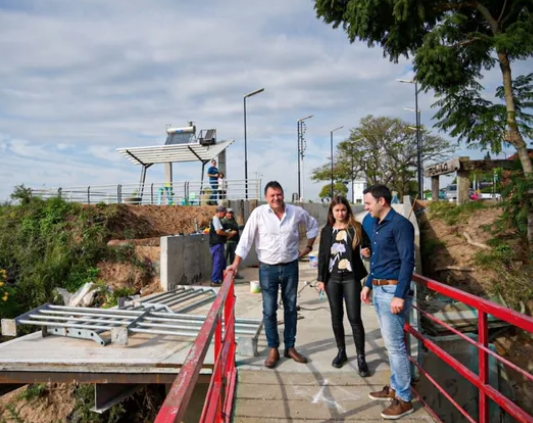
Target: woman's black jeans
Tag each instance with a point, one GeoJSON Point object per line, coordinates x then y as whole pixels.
{"type": "Point", "coordinates": [343, 286]}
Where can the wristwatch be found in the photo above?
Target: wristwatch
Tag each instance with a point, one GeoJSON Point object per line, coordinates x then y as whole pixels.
{"type": "Point", "coordinates": [310, 247]}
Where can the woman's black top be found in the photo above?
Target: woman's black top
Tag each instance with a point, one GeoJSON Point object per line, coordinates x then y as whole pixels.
{"type": "Point", "coordinates": [336, 255]}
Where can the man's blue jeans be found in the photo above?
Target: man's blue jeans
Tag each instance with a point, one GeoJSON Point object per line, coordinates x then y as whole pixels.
{"type": "Point", "coordinates": [214, 188]}
{"type": "Point", "coordinates": [270, 278]}
{"type": "Point", "coordinates": [392, 330]}
{"type": "Point", "coordinates": [219, 263]}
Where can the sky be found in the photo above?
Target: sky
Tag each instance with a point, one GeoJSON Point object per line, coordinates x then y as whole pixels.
{"type": "Point", "coordinates": [79, 79]}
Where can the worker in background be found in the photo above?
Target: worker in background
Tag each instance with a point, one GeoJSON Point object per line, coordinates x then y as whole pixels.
{"type": "Point", "coordinates": [231, 224]}
{"type": "Point", "coordinates": [218, 237]}
{"type": "Point", "coordinates": [213, 174]}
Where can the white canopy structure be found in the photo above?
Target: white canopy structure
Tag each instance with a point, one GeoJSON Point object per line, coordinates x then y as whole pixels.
{"type": "Point", "coordinates": [174, 153]}
{"type": "Point", "coordinates": [147, 156]}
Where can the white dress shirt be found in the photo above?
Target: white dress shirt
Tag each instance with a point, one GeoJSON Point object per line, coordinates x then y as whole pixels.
{"type": "Point", "coordinates": [276, 240]}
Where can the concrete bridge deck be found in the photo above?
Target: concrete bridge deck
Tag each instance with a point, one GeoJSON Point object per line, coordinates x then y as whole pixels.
{"type": "Point", "coordinates": [291, 392]}
{"type": "Point", "coordinates": [312, 392]}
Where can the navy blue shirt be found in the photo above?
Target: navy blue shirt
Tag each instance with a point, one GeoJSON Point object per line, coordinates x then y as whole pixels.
{"type": "Point", "coordinates": [393, 250]}
{"type": "Point", "coordinates": [213, 170]}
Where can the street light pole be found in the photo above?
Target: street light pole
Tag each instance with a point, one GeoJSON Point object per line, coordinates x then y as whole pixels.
{"type": "Point", "coordinates": [299, 186]}
{"type": "Point", "coordinates": [420, 176]}
{"type": "Point", "coordinates": [245, 140]}
{"type": "Point", "coordinates": [332, 176]}
{"type": "Point", "coordinates": [353, 193]}
{"type": "Point", "coordinates": [419, 147]}
{"type": "Point", "coordinates": [300, 152]}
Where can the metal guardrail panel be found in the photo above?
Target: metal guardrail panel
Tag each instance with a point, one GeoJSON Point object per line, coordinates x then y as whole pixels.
{"type": "Point", "coordinates": [480, 379]}
{"type": "Point", "coordinates": [175, 193]}
{"type": "Point", "coordinates": [153, 315]}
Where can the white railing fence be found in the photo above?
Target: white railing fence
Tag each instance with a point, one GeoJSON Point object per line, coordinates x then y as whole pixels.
{"type": "Point", "coordinates": [175, 193]}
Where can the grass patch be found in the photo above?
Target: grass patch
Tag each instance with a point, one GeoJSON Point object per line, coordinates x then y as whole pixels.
{"type": "Point", "coordinates": [452, 214]}
{"type": "Point", "coordinates": [515, 287]}
{"type": "Point", "coordinates": [34, 391]}
{"type": "Point", "coordinates": [512, 282]}
{"type": "Point", "coordinates": [430, 246]}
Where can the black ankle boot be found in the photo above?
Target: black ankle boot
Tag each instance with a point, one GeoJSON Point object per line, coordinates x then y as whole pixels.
{"type": "Point", "coordinates": [362, 367]}
{"type": "Point", "coordinates": [340, 359]}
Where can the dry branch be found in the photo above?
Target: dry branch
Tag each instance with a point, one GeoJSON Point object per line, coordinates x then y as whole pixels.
{"type": "Point", "coordinates": [474, 243]}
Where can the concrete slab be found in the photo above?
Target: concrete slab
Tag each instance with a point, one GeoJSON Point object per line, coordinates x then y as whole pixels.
{"type": "Point", "coordinates": [320, 406]}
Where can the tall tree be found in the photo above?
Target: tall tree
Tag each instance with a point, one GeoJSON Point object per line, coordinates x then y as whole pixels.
{"type": "Point", "coordinates": [382, 150]}
{"type": "Point", "coordinates": [452, 43]}
{"type": "Point", "coordinates": [339, 188]}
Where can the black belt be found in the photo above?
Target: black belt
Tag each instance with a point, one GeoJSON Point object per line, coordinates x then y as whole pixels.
{"type": "Point", "coordinates": [280, 264]}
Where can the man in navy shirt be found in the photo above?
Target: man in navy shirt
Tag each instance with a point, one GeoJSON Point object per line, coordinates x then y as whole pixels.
{"type": "Point", "coordinates": [213, 174]}
{"type": "Point", "coordinates": [391, 268]}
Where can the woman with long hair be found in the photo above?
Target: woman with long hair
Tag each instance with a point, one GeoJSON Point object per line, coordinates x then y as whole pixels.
{"type": "Point", "coordinates": [340, 270]}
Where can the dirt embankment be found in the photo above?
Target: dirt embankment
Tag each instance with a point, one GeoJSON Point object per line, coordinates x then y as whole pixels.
{"type": "Point", "coordinates": [141, 222]}
{"type": "Point", "coordinates": [449, 257]}
{"type": "Point", "coordinates": [136, 232]}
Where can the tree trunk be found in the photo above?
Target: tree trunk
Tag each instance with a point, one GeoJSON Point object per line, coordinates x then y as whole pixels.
{"type": "Point", "coordinates": [514, 136]}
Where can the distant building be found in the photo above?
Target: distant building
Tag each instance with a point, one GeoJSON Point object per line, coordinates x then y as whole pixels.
{"type": "Point", "coordinates": [515, 156]}
{"type": "Point", "coordinates": [358, 188]}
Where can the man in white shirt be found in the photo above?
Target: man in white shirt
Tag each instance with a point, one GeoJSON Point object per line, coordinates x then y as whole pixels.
{"type": "Point", "coordinates": [275, 229]}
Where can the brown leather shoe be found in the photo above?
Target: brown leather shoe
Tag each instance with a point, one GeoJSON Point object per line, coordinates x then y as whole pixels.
{"type": "Point", "coordinates": [397, 409]}
{"type": "Point", "coordinates": [295, 355]}
{"type": "Point", "coordinates": [386, 394]}
{"type": "Point", "coordinates": [272, 359]}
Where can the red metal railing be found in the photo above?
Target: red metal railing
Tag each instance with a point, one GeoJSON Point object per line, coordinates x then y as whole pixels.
{"type": "Point", "coordinates": [220, 395]}
{"type": "Point", "coordinates": [480, 380]}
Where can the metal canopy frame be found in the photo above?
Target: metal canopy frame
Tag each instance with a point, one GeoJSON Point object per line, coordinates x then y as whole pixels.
{"type": "Point", "coordinates": [173, 153]}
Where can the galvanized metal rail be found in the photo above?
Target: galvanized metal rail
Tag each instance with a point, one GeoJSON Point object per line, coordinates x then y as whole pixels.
{"type": "Point", "coordinates": [152, 315]}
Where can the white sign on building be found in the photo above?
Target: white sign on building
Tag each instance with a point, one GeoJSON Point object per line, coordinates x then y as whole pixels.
{"type": "Point", "coordinates": [358, 188]}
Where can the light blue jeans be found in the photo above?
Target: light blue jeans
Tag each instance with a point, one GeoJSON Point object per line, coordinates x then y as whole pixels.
{"type": "Point", "coordinates": [392, 330]}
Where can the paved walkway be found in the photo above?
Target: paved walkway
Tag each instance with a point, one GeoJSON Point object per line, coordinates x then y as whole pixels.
{"type": "Point", "coordinates": [312, 392]}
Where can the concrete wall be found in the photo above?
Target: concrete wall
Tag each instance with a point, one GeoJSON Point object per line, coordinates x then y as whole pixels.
{"type": "Point", "coordinates": [185, 260]}
{"type": "Point", "coordinates": [242, 210]}
{"type": "Point", "coordinates": [406, 208]}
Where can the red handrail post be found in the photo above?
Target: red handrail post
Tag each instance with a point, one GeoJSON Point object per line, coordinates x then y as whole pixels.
{"type": "Point", "coordinates": [481, 380]}
{"type": "Point", "coordinates": [217, 376]}
{"type": "Point", "coordinates": [483, 335]}
{"type": "Point", "coordinates": [175, 405]}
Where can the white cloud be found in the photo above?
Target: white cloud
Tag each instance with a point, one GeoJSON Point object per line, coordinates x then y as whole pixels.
{"type": "Point", "coordinates": [80, 79]}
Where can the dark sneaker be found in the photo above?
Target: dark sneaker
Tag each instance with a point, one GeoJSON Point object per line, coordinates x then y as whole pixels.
{"type": "Point", "coordinates": [397, 409]}
{"type": "Point", "coordinates": [213, 283]}
{"type": "Point", "coordinates": [386, 394]}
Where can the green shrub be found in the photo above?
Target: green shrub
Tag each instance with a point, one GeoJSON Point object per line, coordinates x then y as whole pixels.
{"type": "Point", "coordinates": [48, 244]}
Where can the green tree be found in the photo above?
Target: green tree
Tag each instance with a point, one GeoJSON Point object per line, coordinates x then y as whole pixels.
{"type": "Point", "coordinates": [452, 43]}
{"type": "Point", "coordinates": [382, 150]}
{"type": "Point", "coordinates": [339, 188]}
